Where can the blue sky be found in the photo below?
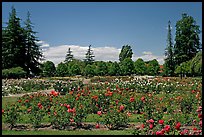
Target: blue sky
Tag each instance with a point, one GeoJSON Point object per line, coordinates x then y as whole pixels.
{"type": "Point", "coordinates": [142, 25]}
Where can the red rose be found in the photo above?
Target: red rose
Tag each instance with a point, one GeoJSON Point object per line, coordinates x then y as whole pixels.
{"type": "Point", "coordinates": [132, 99]}
{"type": "Point", "coordinates": [121, 107]}
{"type": "Point", "coordinates": [68, 106]}
{"type": "Point", "coordinates": [151, 126]}
{"type": "Point", "coordinates": [167, 128]}
{"type": "Point", "coordinates": [143, 126]}
{"type": "Point", "coordinates": [97, 125]}
{"type": "Point", "coordinates": [2, 111]}
{"type": "Point", "coordinates": [99, 113]}
{"type": "Point", "coordinates": [178, 125]}
{"type": "Point", "coordinates": [151, 121]}
{"type": "Point", "coordinates": [161, 122]}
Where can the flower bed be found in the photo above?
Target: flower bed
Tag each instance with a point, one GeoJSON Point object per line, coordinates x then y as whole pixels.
{"type": "Point", "coordinates": [161, 111]}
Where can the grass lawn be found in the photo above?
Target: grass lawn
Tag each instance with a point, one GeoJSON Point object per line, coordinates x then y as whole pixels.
{"type": "Point", "coordinates": [76, 132]}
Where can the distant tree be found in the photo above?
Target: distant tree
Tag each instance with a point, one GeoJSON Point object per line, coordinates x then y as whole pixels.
{"type": "Point", "coordinates": [101, 68]}
{"type": "Point", "coordinates": [126, 52]}
{"type": "Point", "coordinates": [48, 68]}
{"type": "Point", "coordinates": [74, 67]}
{"type": "Point", "coordinates": [127, 66]}
{"type": "Point", "coordinates": [69, 56]}
{"type": "Point", "coordinates": [139, 66]}
{"type": "Point", "coordinates": [113, 69]}
{"type": "Point", "coordinates": [61, 70]}
{"type": "Point", "coordinates": [89, 56]}
{"type": "Point", "coordinates": [89, 70]}
{"type": "Point", "coordinates": [168, 61]}
{"type": "Point", "coordinates": [187, 39]}
{"type": "Point", "coordinates": [32, 51]}
{"type": "Point", "coordinates": [152, 67]}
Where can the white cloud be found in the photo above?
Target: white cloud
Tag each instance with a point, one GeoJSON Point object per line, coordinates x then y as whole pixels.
{"type": "Point", "coordinates": [43, 44]}
{"type": "Point", "coordinates": [109, 53]}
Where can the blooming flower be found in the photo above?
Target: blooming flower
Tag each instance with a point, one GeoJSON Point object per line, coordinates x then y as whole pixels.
{"type": "Point", "coordinates": [178, 125]}
{"type": "Point", "coordinates": [167, 128]}
{"type": "Point", "coordinates": [161, 122]}
{"type": "Point", "coordinates": [2, 111]}
{"type": "Point", "coordinates": [132, 99]}
{"type": "Point", "coordinates": [97, 125]}
{"type": "Point", "coordinates": [151, 126]}
{"type": "Point", "coordinates": [99, 113]}
{"type": "Point", "coordinates": [121, 107]}
{"type": "Point", "coordinates": [143, 98]}
{"type": "Point", "coordinates": [151, 121]}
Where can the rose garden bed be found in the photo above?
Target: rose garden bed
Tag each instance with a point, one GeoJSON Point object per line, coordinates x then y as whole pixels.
{"type": "Point", "coordinates": [165, 106]}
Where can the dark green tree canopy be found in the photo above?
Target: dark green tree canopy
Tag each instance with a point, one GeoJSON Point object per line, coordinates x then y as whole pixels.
{"type": "Point", "coordinates": [19, 48]}
{"type": "Point", "coordinates": [126, 52]}
{"type": "Point", "coordinates": [33, 52]}
{"type": "Point", "coordinates": [89, 58]}
{"type": "Point", "coordinates": [187, 39]}
{"type": "Point", "coordinates": [13, 43]}
{"type": "Point", "coordinates": [48, 68]}
{"type": "Point", "coordinates": [69, 56]}
{"type": "Point", "coordinates": [127, 66]}
{"type": "Point", "coordinates": [169, 62]}
{"type": "Point", "coordinates": [140, 67]}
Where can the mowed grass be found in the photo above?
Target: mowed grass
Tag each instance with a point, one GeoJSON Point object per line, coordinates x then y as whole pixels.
{"type": "Point", "coordinates": [75, 132]}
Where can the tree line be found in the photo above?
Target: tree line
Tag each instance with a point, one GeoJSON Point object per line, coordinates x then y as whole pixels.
{"type": "Point", "coordinates": [89, 67]}
{"type": "Point", "coordinates": [22, 55]}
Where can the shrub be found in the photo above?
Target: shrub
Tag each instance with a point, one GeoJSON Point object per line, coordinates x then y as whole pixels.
{"type": "Point", "coordinates": [16, 72]}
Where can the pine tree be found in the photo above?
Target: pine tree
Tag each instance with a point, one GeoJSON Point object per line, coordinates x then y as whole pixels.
{"type": "Point", "coordinates": [32, 50]}
{"type": "Point", "coordinates": [89, 56]}
{"type": "Point", "coordinates": [169, 63]}
{"type": "Point", "coordinates": [69, 56]}
{"type": "Point", "coordinates": [187, 39]}
{"type": "Point", "coordinates": [13, 43]}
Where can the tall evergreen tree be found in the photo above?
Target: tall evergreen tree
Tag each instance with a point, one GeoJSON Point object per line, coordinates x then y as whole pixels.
{"type": "Point", "coordinates": [187, 39]}
{"type": "Point", "coordinates": [126, 52]}
{"type": "Point", "coordinates": [69, 56]}
{"type": "Point", "coordinates": [89, 56]}
{"type": "Point", "coordinates": [33, 53]}
{"type": "Point", "coordinates": [169, 63]}
{"type": "Point", "coordinates": [13, 43]}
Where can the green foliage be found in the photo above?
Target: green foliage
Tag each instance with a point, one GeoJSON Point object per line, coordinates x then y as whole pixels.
{"type": "Point", "coordinates": [113, 68]}
{"type": "Point", "coordinates": [152, 67]}
{"type": "Point", "coordinates": [101, 68]}
{"type": "Point", "coordinates": [32, 50]}
{"type": "Point", "coordinates": [13, 47]}
{"type": "Point", "coordinates": [126, 52]}
{"type": "Point", "coordinates": [196, 64]}
{"type": "Point", "coordinates": [89, 58]}
{"type": "Point", "coordinates": [127, 66]}
{"type": "Point", "coordinates": [61, 70]}
{"type": "Point", "coordinates": [16, 72]}
{"type": "Point", "coordinates": [48, 69]}
{"type": "Point", "coordinates": [89, 70]}
{"type": "Point", "coordinates": [19, 46]}
{"type": "Point", "coordinates": [140, 67]}
{"type": "Point", "coordinates": [187, 39]}
{"type": "Point", "coordinates": [12, 115]}
{"type": "Point", "coordinates": [169, 62]}
{"type": "Point", "coordinates": [69, 56]}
